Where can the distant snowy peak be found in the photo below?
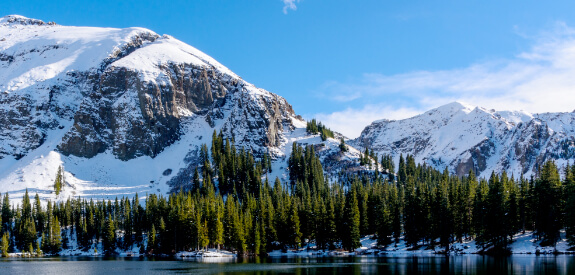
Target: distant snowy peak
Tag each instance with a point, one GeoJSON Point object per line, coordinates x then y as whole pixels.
{"type": "Point", "coordinates": [21, 20]}
{"type": "Point", "coordinates": [464, 137]}
{"type": "Point", "coordinates": [456, 110]}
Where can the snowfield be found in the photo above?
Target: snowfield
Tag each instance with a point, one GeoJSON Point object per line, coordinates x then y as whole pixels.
{"type": "Point", "coordinates": [462, 137]}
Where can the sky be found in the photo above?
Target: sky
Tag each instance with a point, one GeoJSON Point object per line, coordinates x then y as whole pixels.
{"type": "Point", "coordinates": [348, 63]}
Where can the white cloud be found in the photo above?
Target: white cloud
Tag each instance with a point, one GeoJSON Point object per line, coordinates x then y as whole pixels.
{"type": "Point", "coordinates": [539, 80]}
{"type": "Point", "coordinates": [290, 5]}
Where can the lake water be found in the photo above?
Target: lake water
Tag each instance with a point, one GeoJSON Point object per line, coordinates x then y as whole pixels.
{"type": "Point", "coordinates": [463, 264]}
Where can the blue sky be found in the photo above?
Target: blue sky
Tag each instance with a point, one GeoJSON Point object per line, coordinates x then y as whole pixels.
{"type": "Point", "coordinates": [351, 62]}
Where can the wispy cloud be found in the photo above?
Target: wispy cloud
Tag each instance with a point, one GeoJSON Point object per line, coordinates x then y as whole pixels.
{"type": "Point", "coordinates": [290, 5]}
{"type": "Point", "coordinates": [539, 80]}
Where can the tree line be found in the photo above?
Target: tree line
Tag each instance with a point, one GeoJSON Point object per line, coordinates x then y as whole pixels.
{"type": "Point", "coordinates": [230, 204]}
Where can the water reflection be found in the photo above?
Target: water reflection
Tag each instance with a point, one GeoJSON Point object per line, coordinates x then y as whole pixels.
{"type": "Point", "coordinates": [465, 264]}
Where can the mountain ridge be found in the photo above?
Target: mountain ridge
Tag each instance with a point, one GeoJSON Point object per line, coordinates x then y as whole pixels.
{"type": "Point", "coordinates": [125, 111]}
{"type": "Point", "coordinates": [463, 137]}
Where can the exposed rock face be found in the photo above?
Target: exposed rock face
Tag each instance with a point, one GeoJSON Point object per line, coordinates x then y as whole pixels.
{"type": "Point", "coordinates": [135, 117]}
{"type": "Point", "coordinates": [465, 138]}
{"type": "Point", "coordinates": [125, 111]}
{"type": "Point", "coordinates": [133, 101]}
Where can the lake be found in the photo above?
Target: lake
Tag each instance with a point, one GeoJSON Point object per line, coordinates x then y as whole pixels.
{"type": "Point", "coordinates": [461, 264]}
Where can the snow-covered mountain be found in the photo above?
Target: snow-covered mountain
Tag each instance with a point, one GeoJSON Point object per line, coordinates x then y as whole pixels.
{"type": "Point", "coordinates": [124, 111]}
{"type": "Point", "coordinates": [464, 138]}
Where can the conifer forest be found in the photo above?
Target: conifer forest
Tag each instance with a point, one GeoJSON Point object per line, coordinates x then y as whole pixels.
{"type": "Point", "coordinates": [231, 204]}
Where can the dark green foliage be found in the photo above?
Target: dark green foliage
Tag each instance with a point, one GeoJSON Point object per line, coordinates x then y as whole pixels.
{"type": "Point", "coordinates": [548, 203]}
{"type": "Point", "coordinates": [5, 244]}
{"type": "Point", "coordinates": [51, 239]}
{"type": "Point", "coordinates": [402, 170]}
{"type": "Point", "coordinates": [569, 184]}
{"type": "Point", "coordinates": [305, 168]}
{"type": "Point", "coordinates": [313, 127]}
{"type": "Point", "coordinates": [152, 242]}
{"type": "Point", "coordinates": [231, 205]}
{"type": "Point", "coordinates": [59, 180]}
{"type": "Point", "coordinates": [109, 236]}
{"type": "Point", "coordinates": [342, 146]}
{"type": "Point", "coordinates": [6, 214]}
{"type": "Point", "coordinates": [351, 226]}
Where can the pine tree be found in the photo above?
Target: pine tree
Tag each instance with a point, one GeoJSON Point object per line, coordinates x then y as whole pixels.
{"type": "Point", "coordinates": [402, 170]}
{"type": "Point", "coordinates": [352, 222]}
{"type": "Point", "coordinates": [549, 204]}
{"type": "Point", "coordinates": [203, 239]}
{"type": "Point", "coordinates": [480, 210]}
{"type": "Point", "coordinates": [257, 238]}
{"type": "Point", "coordinates": [38, 250]}
{"type": "Point", "coordinates": [58, 182]}
{"type": "Point", "coordinates": [294, 224]}
{"type": "Point", "coordinates": [342, 146]}
{"type": "Point", "coordinates": [219, 229]}
{"type": "Point", "coordinates": [6, 214]}
{"type": "Point", "coordinates": [570, 203]}
{"type": "Point", "coordinates": [196, 181]}
{"type": "Point", "coordinates": [51, 242]}
{"type": "Point", "coordinates": [5, 244]}
{"type": "Point", "coordinates": [445, 219]}
{"type": "Point", "coordinates": [109, 237]}
{"type": "Point", "coordinates": [162, 240]}
{"type": "Point", "coordinates": [384, 220]}
{"type": "Point", "coordinates": [152, 240]}
{"type": "Point", "coordinates": [26, 232]}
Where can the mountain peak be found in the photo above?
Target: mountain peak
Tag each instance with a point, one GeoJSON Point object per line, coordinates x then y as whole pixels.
{"type": "Point", "coordinates": [463, 137]}
{"type": "Point", "coordinates": [122, 97]}
{"type": "Point", "coordinates": [15, 19]}
{"type": "Point", "coordinates": [454, 107]}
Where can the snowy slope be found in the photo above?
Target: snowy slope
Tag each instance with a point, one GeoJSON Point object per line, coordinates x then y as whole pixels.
{"type": "Point", "coordinates": [58, 100]}
{"type": "Point", "coordinates": [124, 111]}
{"type": "Point", "coordinates": [463, 138]}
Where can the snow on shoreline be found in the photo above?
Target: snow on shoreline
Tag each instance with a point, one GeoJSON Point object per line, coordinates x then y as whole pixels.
{"type": "Point", "coordinates": [523, 243]}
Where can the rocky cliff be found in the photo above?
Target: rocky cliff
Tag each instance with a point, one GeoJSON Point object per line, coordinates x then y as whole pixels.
{"type": "Point", "coordinates": [98, 99]}
{"type": "Point", "coordinates": [463, 138]}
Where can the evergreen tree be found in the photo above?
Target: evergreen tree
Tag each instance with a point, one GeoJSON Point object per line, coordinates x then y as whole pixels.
{"type": "Point", "coordinates": [59, 180]}
{"type": "Point", "coordinates": [496, 225]}
{"type": "Point", "coordinates": [109, 236]}
{"type": "Point", "coordinates": [402, 170]}
{"type": "Point", "coordinates": [52, 243]}
{"type": "Point", "coordinates": [445, 217]}
{"type": "Point", "coordinates": [342, 146]}
{"type": "Point", "coordinates": [570, 203]}
{"type": "Point", "coordinates": [152, 243]}
{"type": "Point", "coordinates": [294, 227]}
{"type": "Point", "coordinates": [5, 244]}
{"type": "Point", "coordinates": [480, 210]}
{"type": "Point", "coordinates": [6, 214]}
{"type": "Point", "coordinates": [203, 239]}
{"type": "Point", "coordinates": [352, 222]}
{"type": "Point", "coordinates": [549, 204]}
